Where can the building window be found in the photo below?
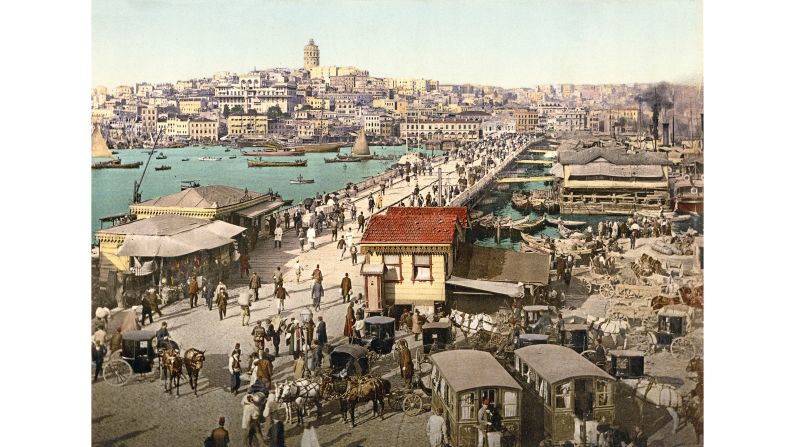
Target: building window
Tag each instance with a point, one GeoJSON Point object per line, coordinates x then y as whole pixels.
{"type": "Point", "coordinates": [510, 404]}
{"type": "Point", "coordinates": [393, 268]}
{"type": "Point", "coordinates": [467, 406]}
{"type": "Point", "coordinates": [563, 396]}
{"type": "Point", "coordinates": [603, 395]}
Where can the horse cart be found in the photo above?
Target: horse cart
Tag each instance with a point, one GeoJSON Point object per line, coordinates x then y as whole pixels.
{"type": "Point", "coordinates": [437, 336]}
{"type": "Point", "coordinates": [349, 360]}
{"type": "Point", "coordinates": [379, 335]}
{"type": "Point", "coordinates": [461, 382]}
{"type": "Point", "coordinates": [673, 327]}
{"type": "Point", "coordinates": [138, 353]}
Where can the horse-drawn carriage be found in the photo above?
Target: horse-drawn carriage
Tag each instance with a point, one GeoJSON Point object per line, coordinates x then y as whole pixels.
{"type": "Point", "coordinates": [569, 395]}
{"type": "Point", "coordinates": [537, 318]}
{"type": "Point", "coordinates": [461, 380]}
{"type": "Point", "coordinates": [626, 364]}
{"type": "Point", "coordinates": [379, 334]}
{"type": "Point", "coordinates": [673, 327]}
{"type": "Point", "coordinates": [349, 360]}
{"type": "Point", "coordinates": [437, 336]}
{"type": "Point", "coordinates": [138, 353]}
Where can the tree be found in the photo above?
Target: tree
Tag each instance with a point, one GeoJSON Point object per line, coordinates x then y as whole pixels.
{"type": "Point", "coordinates": [226, 110]}
{"type": "Point", "coordinates": [274, 112]}
{"type": "Point", "coordinates": [237, 110]}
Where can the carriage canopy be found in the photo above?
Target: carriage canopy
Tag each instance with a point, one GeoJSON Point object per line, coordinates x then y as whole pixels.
{"type": "Point", "coordinates": [557, 363]}
{"type": "Point", "coordinates": [465, 369]}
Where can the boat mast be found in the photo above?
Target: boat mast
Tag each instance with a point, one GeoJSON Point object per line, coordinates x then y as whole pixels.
{"type": "Point", "coordinates": [137, 185]}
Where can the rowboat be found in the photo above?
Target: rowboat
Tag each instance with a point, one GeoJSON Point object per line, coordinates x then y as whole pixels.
{"type": "Point", "coordinates": [528, 248]}
{"type": "Point", "coordinates": [529, 225]}
{"type": "Point", "coordinates": [185, 159]}
{"type": "Point", "coordinates": [274, 164]}
{"type": "Point", "coordinates": [301, 180]}
{"type": "Point", "coordinates": [566, 223]}
{"type": "Point", "coordinates": [161, 156]}
{"type": "Point", "coordinates": [163, 168]}
{"type": "Point", "coordinates": [209, 158]}
{"type": "Point", "coordinates": [233, 157]}
{"type": "Point", "coordinates": [519, 200]}
{"type": "Point", "coordinates": [487, 217]}
{"type": "Point", "coordinates": [564, 232]}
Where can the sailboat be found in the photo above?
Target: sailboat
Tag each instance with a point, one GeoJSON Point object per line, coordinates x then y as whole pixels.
{"type": "Point", "coordinates": [99, 149]}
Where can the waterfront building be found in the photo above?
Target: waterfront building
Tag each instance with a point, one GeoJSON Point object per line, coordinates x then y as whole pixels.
{"type": "Point", "coordinates": [203, 129]}
{"type": "Point", "coordinates": [171, 247]}
{"type": "Point", "coordinates": [526, 120]}
{"type": "Point", "coordinates": [454, 129]}
{"type": "Point", "coordinates": [416, 249]}
{"type": "Point", "coordinates": [247, 124]}
{"type": "Point", "coordinates": [149, 119]}
{"type": "Point", "coordinates": [607, 180]}
{"type": "Point", "coordinates": [174, 126]}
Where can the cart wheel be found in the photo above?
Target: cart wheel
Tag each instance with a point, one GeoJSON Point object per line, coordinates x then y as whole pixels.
{"type": "Point", "coordinates": [115, 355]}
{"type": "Point", "coordinates": [117, 372]}
{"type": "Point", "coordinates": [607, 290]}
{"type": "Point", "coordinates": [412, 405]}
{"type": "Point", "coordinates": [395, 402]}
{"type": "Point", "coordinates": [683, 348]}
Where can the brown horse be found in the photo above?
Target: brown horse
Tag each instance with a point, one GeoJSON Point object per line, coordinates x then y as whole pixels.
{"type": "Point", "coordinates": [406, 363]}
{"type": "Point", "coordinates": [194, 361]}
{"type": "Point", "coordinates": [365, 388]}
{"type": "Point", "coordinates": [172, 366]}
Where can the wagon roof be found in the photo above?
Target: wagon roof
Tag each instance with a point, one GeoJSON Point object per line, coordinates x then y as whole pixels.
{"type": "Point", "coordinates": [138, 335]}
{"type": "Point", "coordinates": [626, 353]}
{"type": "Point", "coordinates": [355, 351]}
{"type": "Point", "coordinates": [534, 337]}
{"type": "Point", "coordinates": [437, 325]}
{"type": "Point", "coordinates": [379, 320]}
{"type": "Point", "coordinates": [465, 369]}
{"type": "Point", "coordinates": [676, 310]}
{"type": "Point", "coordinates": [555, 363]}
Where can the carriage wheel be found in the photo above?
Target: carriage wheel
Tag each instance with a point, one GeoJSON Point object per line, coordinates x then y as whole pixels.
{"type": "Point", "coordinates": [115, 355]}
{"type": "Point", "coordinates": [412, 405]}
{"type": "Point", "coordinates": [683, 348]}
{"type": "Point", "coordinates": [395, 401]}
{"type": "Point", "coordinates": [117, 372]}
{"type": "Point", "coordinates": [607, 290]}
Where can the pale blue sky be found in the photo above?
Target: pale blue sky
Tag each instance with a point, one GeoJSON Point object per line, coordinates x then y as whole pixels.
{"type": "Point", "coordinates": [504, 43]}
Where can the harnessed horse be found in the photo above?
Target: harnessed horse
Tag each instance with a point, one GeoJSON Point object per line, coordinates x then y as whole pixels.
{"type": "Point", "coordinates": [406, 362]}
{"type": "Point", "coordinates": [473, 323]}
{"type": "Point", "coordinates": [194, 361]}
{"type": "Point", "coordinates": [364, 388]}
{"type": "Point", "coordinates": [172, 367]}
{"type": "Point", "coordinates": [299, 392]}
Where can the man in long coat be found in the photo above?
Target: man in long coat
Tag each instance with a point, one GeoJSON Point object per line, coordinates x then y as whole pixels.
{"type": "Point", "coordinates": [346, 288]}
{"type": "Point", "coordinates": [349, 320]}
{"type": "Point", "coordinates": [317, 294]}
{"type": "Point", "coordinates": [254, 284]}
{"type": "Point", "coordinates": [193, 292]}
{"type": "Point", "coordinates": [320, 331]}
{"type": "Point", "coordinates": [416, 324]}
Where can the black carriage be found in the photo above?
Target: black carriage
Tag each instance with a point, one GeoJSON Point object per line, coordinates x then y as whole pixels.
{"type": "Point", "coordinates": [673, 321]}
{"type": "Point", "coordinates": [349, 360]}
{"type": "Point", "coordinates": [575, 336]}
{"type": "Point", "coordinates": [379, 334]}
{"type": "Point", "coordinates": [530, 340]}
{"type": "Point", "coordinates": [138, 353]}
{"type": "Point", "coordinates": [436, 336]}
{"type": "Point", "coordinates": [626, 364]}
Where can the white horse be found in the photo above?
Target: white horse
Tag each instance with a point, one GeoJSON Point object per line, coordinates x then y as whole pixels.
{"type": "Point", "coordinates": [298, 393]}
{"type": "Point", "coordinates": [472, 323]}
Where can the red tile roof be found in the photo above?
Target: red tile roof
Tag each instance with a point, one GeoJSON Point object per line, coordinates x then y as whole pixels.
{"type": "Point", "coordinates": [410, 225]}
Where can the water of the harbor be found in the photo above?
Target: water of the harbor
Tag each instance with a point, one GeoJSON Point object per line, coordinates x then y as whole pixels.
{"type": "Point", "coordinates": [112, 189]}
{"type": "Point", "coordinates": [499, 202]}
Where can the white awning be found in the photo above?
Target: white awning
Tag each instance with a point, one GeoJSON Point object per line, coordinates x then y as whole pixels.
{"type": "Point", "coordinates": [496, 287]}
{"type": "Point", "coordinates": [260, 209]}
{"type": "Point", "coordinates": [214, 235]}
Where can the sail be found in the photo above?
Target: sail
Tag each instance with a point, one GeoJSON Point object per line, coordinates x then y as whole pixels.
{"type": "Point", "coordinates": [360, 147]}
{"type": "Point", "coordinates": [98, 146]}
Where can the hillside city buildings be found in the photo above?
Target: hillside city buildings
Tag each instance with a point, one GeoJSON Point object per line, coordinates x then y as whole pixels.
{"type": "Point", "coordinates": [330, 103]}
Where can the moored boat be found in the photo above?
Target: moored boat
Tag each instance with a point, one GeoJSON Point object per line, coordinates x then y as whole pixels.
{"type": "Point", "coordinates": [273, 164]}
{"type": "Point", "coordinates": [273, 153]}
{"type": "Point", "coordinates": [566, 223]}
{"type": "Point", "coordinates": [161, 156]}
{"type": "Point", "coordinates": [162, 168]}
{"type": "Point", "coordinates": [322, 147]}
{"type": "Point", "coordinates": [186, 159]}
{"type": "Point", "coordinates": [301, 180]}
{"type": "Point", "coordinates": [116, 164]}
{"type": "Point", "coordinates": [209, 158]}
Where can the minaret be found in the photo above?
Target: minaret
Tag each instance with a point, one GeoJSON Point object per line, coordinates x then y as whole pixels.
{"type": "Point", "coordinates": [311, 55]}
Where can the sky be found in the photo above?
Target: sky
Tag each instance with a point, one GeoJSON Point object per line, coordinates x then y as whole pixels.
{"type": "Point", "coordinates": [492, 42]}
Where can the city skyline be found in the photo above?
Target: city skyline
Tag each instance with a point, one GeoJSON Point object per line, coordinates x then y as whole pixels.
{"type": "Point", "coordinates": [164, 41]}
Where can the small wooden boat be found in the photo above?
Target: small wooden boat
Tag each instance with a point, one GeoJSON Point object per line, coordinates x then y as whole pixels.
{"type": "Point", "coordinates": [566, 223]}
{"type": "Point", "coordinates": [528, 248]}
{"type": "Point", "coordinates": [285, 153]}
{"type": "Point", "coordinates": [209, 158]}
{"type": "Point", "coordinates": [161, 156]}
{"type": "Point", "coordinates": [186, 159]}
{"type": "Point", "coordinates": [227, 150]}
{"type": "Point", "coordinates": [487, 217]}
{"type": "Point", "coordinates": [530, 225]}
{"type": "Point", "coordinates": [519, 200]}
{"type": "Point", "coordinates": [114, 152]}
{"type": "Point", "coordinates": [301, 181]}
{"type": "Point", "coordinates": [343, 159]}
{"type": "Point", "coordinates": [274, 164]}
{"type": "Point", "coordinates": [288, 202]}
{"type": "Point", "coordinates": [323, 147]}
{"type": "Point", "coordinates": [185, 184]}
{"type": "Point", "coordinates": [233, 157]}
{"type": "Point", "coordinates": [162, 168]}
{"type": "Point", "coordinates": [564, 232]}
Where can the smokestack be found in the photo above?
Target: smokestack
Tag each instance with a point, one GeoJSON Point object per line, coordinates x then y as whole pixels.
{"type": "Point", "coordinates": [665, 134]}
